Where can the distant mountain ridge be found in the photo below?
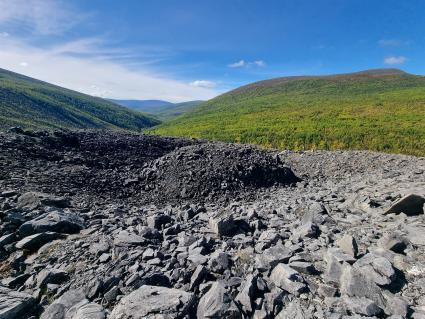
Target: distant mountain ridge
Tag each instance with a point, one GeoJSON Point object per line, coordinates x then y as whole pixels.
{"type": "Point", "coordinates": [34, 104]}
{"type": "Point", "coordinates": [163, 110]}
{"type": "Point", "coordinates": [381, 110]}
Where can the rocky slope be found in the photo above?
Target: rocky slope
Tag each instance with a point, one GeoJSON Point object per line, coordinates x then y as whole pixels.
{"type": "Point", "coordinates": [111, 225]}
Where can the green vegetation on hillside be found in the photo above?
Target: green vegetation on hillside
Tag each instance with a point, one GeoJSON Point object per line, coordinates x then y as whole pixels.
{"type": "Point", "coordinates": [34, 104]}
{"type": "Point", "coordinates": [381, 110]}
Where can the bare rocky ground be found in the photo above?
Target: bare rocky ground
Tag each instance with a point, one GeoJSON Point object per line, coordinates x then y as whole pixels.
{"type": "Point", "coordinates": [112, 225]}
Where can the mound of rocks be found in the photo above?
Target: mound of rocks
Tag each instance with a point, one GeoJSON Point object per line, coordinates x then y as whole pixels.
{"type": "Point", "coordinates": [208, 169]}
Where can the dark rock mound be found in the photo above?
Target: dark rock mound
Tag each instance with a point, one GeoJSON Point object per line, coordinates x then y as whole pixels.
{"type": "Point", "coordinates": [207, 169]}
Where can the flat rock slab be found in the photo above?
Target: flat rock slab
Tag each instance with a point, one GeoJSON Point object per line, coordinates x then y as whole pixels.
{"type": "Point", "coordinates": [148, 302]}
{"type": "Point", "coordinates": [56, 221]}
{"type": "Point", "coordinates": [15, 304]}
{"type": "Point", "coordinates": [35, 241]}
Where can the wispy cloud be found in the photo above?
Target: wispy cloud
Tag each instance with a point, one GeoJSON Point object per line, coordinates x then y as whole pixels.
{"type": "Point", "coordinates": [259, 63]}
{"type": "Point", "coordinates": [88, 74]}
{"type": "Point", "coordinates": [4, 34]}
{"type": "Point", "coordinates": [395, 60]}
{"type": "Point", "coordinates": [239, 64]}
{"type": "Point", "coordinates": [40, 16]}
{"type": "Point", "coordinates": [243, 64]}
{"type": "Point", "coordinates": [203, 84]}
{"type": "Point", "coordinates": [392, 42]}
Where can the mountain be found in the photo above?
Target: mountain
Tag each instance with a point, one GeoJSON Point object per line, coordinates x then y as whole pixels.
{"type": "Point", "coordinates": [381, 110]}
{"type": "Point", "coordinates": [162, 110]}
{"type": "Point", "coordinates": [148, 106]}
{"type": "Point", "coordinates": [34, 104]}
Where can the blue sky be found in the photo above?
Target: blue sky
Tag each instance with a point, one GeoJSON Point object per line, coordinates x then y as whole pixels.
{"type": "Point", "coordinates": [181, 50]}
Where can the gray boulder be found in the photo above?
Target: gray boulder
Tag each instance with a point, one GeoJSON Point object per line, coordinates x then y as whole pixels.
{"type": "Point", "coordinates": [410, 205]}
{"type": "Point", "coordinates": [288, 279]}
{"type": "Point", "coordinates": [15, 304]}
{"type": "Point", "coordinates": [149, 301]}
{"type": "Point", "coordinates": [222, 225]}
{"type": "Point", "coordinates": [355, 283]}
{"type": "Point", "coordinates": [51, 276]}
{"type": "Point", "coordinates": [90, 311]}
{"type": "Point", "coordinates": [33, 200]}
{"type": "Point", "coordinates": [348, 245]}
{"type": "Point", "coordinates": [272, 256]}
{"type": "Point", "coordinates": [34, 242]}
{"type": "Point", "coordinates": [65, 306]}
{"type": "Point", "coordinates": [216, 303]}
{"type": "Point", "coordinates": [56, 221]}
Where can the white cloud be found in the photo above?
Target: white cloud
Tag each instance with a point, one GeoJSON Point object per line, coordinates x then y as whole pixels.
{"type": "Point", "coordinates": [203, 84]}
{"type": "Point", "coordinates": [4, 34]}
{"type": "Point", "coordinates": [239, 64]}
{"type": "Point", "coordinates": [23, 63]}
{"type": "Point", "coordinates": [245, 64]}
{"type": "Point", "coordinates": [393, 60]}
{"type": "Point", "coordinates": [259, 63]}
{"type": "Point", "coordinates": [39, 16]}
{"type": "Point", "coordinates": [90, 74]}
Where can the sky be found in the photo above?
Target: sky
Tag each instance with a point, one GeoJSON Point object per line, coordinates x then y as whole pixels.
{"type": "Point", "coordinates": [180, 50]}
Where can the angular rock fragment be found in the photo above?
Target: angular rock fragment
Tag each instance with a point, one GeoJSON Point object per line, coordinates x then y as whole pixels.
{"type": "Point", "coordinates": [348, 245]}
{"type": "Point", "coordinates": [377, 268]}
{"type": "Point", "coordinates": [216, 303]}
{"type": "Point", "coordinates": [362, 306]}
{"type": "Point", "coordinates": [51, 276]}
{"type": "Point", "coordinates": [15, 304]}
{"type": "Point", "coordinates": [33, 200]}
{"type": "Point", "coordinates": [222, 225]}
{"type": "Point", "coordinates": [56, 221]}
{"type": "Point", "coordinates": [355, 284]}
{"type": "Point", "coordinates": [272, 256]}
{"type": "Point", "coordinates": [410, 205]}
{"type": "Point", "coordinates": [34, 242]}
{"type": "Point", "coordinates": [247, 293]}
{"type": "Point", "coordinates": [149, 301]}
{"type": "Point", "coordinates": [288, 279]}
{"type": "Point", "coordinates": [60, 307]}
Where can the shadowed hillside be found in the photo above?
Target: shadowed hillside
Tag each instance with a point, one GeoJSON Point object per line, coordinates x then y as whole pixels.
{"type": "Point", "coordinates": [30, 103]}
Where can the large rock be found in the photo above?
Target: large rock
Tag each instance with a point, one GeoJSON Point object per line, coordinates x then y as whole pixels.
{"type": "Point", "coordinates": [288, 279]}
{"type": "Point", "coordinates": [222, 225]}
{"type": "Point", "coordinates": [356, 284]}
{"type": "Point", "coordinates": [247, 293]}
{"type": "Point", "coordinates": [377, 268]}
{"type": "Point", "coordinates": [216, 303]}
{"type": "Point", "coordinates": [148, 302]}
{"type": "Point", "coordinates": [34, 242]}
{"type": "Point", "coordinates": [15, 304]}
{"type": "Point", "coordinates": [51, 276]}
{"type": "Point", "coordinates": [348, 245]}
{"type": "Point", "coordinates": [33, 200]}
{"type": "Point", "coordinates": [410, 205]}
{"type": "Point", "coordinates": [125, 238]}
{"type": "Point", "coordinates": [272, 256]}
{"type": "Point", "coordinates": [90, 311]}
{"type": "Point", "coordinates": [56, 221]}
{"type": "Point", "coordinates": [65, 306]}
